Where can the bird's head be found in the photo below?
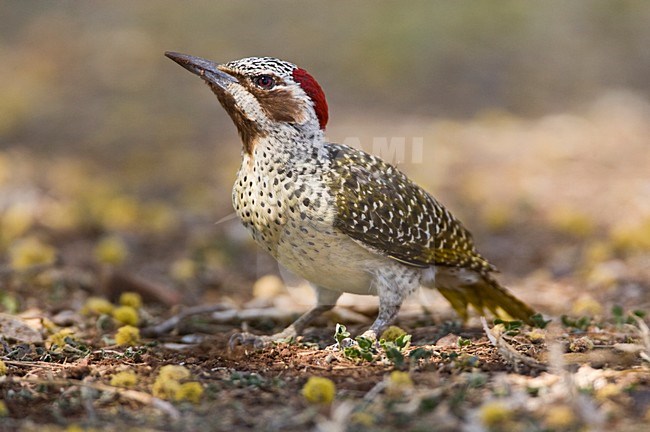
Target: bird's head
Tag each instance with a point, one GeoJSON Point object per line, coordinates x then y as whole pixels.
{"type": "Point", "coordinates": [263, 95]}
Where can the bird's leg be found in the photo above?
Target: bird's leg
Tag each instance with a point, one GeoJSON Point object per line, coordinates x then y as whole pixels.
{"type": "Point", "coordinates": [392, 288]}
{"type": "Point", "coordinates": [325, 300]}
{"type": "Point", "coordinates": [387, 312]}
{"type": "Point", "coordinates": [389, 306]}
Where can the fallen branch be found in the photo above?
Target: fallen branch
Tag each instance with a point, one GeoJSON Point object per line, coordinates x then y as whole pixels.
{"type": "Point", "coordinates": [171, 323]}
{"type": "Point", "coordinates": [508, 352]}
{"type": "Point", "coordinates": [257, 314]}
{"type": "Point", "coordinates": [38, 364]}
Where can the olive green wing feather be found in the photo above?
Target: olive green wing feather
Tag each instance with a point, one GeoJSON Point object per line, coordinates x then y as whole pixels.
{"type": "Point", "coordinates": [380, 208]}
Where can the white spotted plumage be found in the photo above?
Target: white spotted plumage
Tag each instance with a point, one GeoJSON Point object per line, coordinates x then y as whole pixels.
{"type": "Point", "coordinates": [343, 219]}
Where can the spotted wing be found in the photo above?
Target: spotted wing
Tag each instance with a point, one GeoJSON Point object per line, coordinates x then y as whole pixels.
{"type": "Point", "coordinates": [379, 207]}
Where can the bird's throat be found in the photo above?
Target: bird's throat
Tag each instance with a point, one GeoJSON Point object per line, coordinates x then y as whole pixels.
{"type": "Point", "coordinates": [249, 131]}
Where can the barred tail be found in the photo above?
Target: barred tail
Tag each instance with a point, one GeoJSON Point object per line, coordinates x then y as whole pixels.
{"type": "Point", "coordinates": [485, 293]}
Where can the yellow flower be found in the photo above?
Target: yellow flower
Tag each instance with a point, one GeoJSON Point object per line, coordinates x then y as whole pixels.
{"type": "Point", "coordinates": [183, 269]}
{"type": "Point", "coordinates": [559, 417]}
{"type": "Point", "coordinates": [127, 335]}
{"type": "Point", "coordinates": [319, 390]}
{"type": "Point", "coordinates": [120, 213]}
{"type": "Point", "coordinates": [48, 325]}
{"type": "Point", "coordinates": [494, 413]}
{"type": "Point", "coordinates": [124, 379]}
{"type": "Point", "coordinates": [58, 339]}
{"type": "Point", "coordinates": [587, 305]}
{"type": "Point", "coordinates": [190, 391]}
{"type": "Point", "coordinates": [158, 217]}
{"type": "Point", "coordinates": [596, 253]}
{"type": "Point", "coordinates": [572, 222]}
{"type": "Point", "coordinates": [165, 388]}
{"type": "Point", "coordinates": [392, 333]}
{"type": "Point", "coordinates": [131, 299]}
{"type": "Point", "coordinates": [3, 368]}
{"type": "Point", "coordinates": [126, 315]}
{"type": "Point", "coordinates": [497, 218]}
{"type": "Point", "coordinates": [174, 372]}
{"type": "Point", "coordinates": [16, 220]}
{"type": "Point", "coordinates": [631, 238]}
{"type": "Point", "coordinates": [167, 385]}
{"type": "Point", "coordinates": [362, 418]}
{"type": "Point", "coordinates": [111, 250]}
{"type": "Point", "coordinates": [29, 252]}
{"type": "Point", "coordinates": [97, 306]}
{"type": "Point", "coordinates": [4, 412]}
{"type": "Point", "coordinates": [608, 391]}
{"type": "Point", "coordinates": [400, 378]}
{"type": "Point", "coordinates": [398, 383]}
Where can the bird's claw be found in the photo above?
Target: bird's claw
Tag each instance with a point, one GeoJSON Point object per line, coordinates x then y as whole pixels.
{"type": "Point", "coordinates": [248, 339]}
{"type": "Point", "coordinates": [348, 343]}
{"type": "Point", "coordinates": [343, 344]}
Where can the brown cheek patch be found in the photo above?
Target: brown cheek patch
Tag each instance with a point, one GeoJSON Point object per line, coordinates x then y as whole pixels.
{"type": "Point", "coordinates": [248, 130]}
{"type": "Point", "coordinates": [280, 105]}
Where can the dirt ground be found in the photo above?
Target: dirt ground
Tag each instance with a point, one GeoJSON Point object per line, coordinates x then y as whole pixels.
{"type": "Point", "coordinates": [562, 378]}
{"type": "Point", "coordinates": [560, 204]}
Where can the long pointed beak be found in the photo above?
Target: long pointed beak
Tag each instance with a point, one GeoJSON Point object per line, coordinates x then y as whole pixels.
{"type": "Point", "coordinates": [206, 69]}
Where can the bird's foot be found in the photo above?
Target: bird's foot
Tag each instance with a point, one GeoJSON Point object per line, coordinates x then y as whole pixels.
{"type": "Point", "coordinates": [368, 338]}
{"type": "Point", "coordinates": [347, 342]}
{"type": "Point", "coordinates": [248, 339]}
{"type": "Point", "coordinates": [261, 341]}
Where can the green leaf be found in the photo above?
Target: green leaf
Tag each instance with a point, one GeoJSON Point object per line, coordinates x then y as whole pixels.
{"type": "Point", "coordinates": [352, 353]}
{"type": "Point", "coordinates": [420, 353]}
{"type": "Point", "coordinates": [395, 356]}
{"type": "Point", "coordinates": [512, 328]}
{"type": "Point", "coordinates": [580, 324]}
{"type": "Point", "coordinates": [539, 321]}
{"type": "Point", "coordinates": [365, 344]}
{"type": "Point", "coordinates": [341, 333]}
{"type": "Point", "coordinates": [403, 341]}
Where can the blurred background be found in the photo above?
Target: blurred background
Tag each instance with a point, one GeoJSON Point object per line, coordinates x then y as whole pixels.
{"type": "Point", "coordinates": [533, 120]}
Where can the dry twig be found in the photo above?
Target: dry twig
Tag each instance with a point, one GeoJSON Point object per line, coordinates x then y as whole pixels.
{"type": "Point", "coordinates": [508, 352]}
{"type": "Point", "coordinates": [171, 323]}
{"type": "Point", "coordinates": [133, 395]}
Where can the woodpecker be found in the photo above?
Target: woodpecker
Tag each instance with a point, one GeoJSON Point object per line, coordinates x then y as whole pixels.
{"type": "Point", "coordinates": [341, 218]}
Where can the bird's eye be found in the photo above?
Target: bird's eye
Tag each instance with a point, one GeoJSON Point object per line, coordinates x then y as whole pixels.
{"type": "Point", "coordinates": [265, 82]}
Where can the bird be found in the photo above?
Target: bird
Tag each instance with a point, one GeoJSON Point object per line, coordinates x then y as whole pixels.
{"type": "Point", "coordinates": [341, 218]}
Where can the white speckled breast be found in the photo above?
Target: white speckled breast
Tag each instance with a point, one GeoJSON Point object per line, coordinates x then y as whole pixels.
{"type": "Point", "coordinates": [289, 212]}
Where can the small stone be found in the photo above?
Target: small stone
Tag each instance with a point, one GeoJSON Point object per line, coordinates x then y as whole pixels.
{"type": "Point", "coordinates": [66, 318]}
{"type": "Point", "coordinates": [451, 340]}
